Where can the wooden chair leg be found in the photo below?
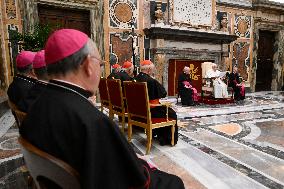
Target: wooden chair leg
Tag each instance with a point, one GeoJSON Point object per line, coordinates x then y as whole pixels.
{"type": "Point", "coordinates": [173, 135]}
{"type": "Point", "coordinates": [110, 114]}
{"type": "Point", "coordinates": [149, 140]}
{"type": "Point", "coordinates": [122, 123]}
{"type": "Point", "coordinates": [129, 132]}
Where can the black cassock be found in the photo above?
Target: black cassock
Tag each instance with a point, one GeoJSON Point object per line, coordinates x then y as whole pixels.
{"type": "Point", "coordinates": [124, 76]}
{"type": "Point", "coordinates": [32, 95]}
{"type": "Point", "coordinates": [157, 91]}
{"type": "Point", "coordinates": [234, 79]}
{"type": "Point", "coordinates": [62, 122]}
{"type": "Point", "coordinates": [185, 93]}
{"type": "Point", "coordinates": [113, 76]}
{"type": "Point", "coordinates": [19, 88]}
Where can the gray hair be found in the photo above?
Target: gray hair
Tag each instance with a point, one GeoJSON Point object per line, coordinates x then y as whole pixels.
{"type": "Point", "coordinates": [41, 73]}
{"type": "Point", "coordinates": [25, 70]}
{"type": "Point", "coordinates": [116, 69]}
{"type": "Point", "coordinates": [146, 67]}
{"type": "Point", "coordinates": [127, 69]}
{"type": "Point", "coordinates": [186, 68]}
{"type": "Point", "coordinates": [70, 63]}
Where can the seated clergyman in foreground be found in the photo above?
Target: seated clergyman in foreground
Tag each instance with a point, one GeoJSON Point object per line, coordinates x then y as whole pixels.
{"type": "Point", "coordinates": [24, 80]}
{"type": "Point", "coordinates": [157, 91]}
{"type": "Point", "coordinates": [64, 123]}
{"type": "Point", "coordinates": [220, 88]}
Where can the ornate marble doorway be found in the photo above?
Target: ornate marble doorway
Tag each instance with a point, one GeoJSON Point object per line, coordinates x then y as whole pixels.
{"type": "Point", "coordinates": [265, 61]}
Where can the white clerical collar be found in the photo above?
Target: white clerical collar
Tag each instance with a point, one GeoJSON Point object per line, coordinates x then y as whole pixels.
{"type": "Point", "coordinates": [70, 83]}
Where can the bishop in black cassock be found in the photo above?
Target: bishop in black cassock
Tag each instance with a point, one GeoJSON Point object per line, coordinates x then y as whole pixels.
{"type": "Point", "coordinates": [40, 70]}
{"type": "Point", "coordinates": [64, 123]}
{"type": "Point", "coordinates": [24, 80]}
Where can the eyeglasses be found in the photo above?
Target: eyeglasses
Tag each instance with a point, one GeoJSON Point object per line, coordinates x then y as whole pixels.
{"type": "Point", "coordinates": [100, 60]}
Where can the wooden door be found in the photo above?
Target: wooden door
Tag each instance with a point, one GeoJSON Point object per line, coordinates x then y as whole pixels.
{"type": "Point", "coordinates": [65, 18]}
{"type": "Point", "coordinates": [264, 61]}
{"type": "Point", "coordinates": [176, 67]}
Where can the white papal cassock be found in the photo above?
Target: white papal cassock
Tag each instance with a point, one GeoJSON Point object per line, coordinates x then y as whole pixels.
{"type": "Point", "coordinates": [220, 88]}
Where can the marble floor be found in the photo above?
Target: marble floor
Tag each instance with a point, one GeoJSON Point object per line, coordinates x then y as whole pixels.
{"type": "Point", "coordinates": [221, 146]}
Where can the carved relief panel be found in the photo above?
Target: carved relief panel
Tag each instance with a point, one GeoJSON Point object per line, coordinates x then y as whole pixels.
{"type": "Point", "coordinates": [195, 12]}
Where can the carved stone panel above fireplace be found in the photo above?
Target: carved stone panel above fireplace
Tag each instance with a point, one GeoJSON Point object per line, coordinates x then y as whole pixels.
{"type": "Point", "coordinates": [194, 12]}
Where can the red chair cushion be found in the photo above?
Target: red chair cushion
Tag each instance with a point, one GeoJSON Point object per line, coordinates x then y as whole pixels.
{"type": "Point", "coordinates": [160, 120]}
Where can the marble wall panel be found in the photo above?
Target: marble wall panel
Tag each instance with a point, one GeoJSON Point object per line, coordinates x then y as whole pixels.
{"type": "Point", "coordinates": [242, 26]}
{"type": "Point", "coordinates": [10, 20]}
{"type": "Point", "coordinates": [120, 49]}
{"type": "Point", "coordinates": [146, 14]}
{"type": "Point", "coordinates": [2, 57]}
{"type": "Point", "coordinates": [241, 58]}
{"type": "Point", "coordinates": [122, 13]}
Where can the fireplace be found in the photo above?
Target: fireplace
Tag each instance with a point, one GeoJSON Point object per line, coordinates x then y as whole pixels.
{"type": "Point", "coordinates": [185, 46]}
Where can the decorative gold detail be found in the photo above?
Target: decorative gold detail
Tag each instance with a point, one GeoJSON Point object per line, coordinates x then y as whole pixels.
{"type": "Point", "coordinates": [193, 72]}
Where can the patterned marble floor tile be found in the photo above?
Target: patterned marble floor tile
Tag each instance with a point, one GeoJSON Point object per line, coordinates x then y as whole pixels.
{"type": "Point", "coordinates": [229, 129]}
{"type": "Point", "coordinates": [260, 162]}
{"type": "Point", "coordinates": [6, 121]}
{"type": "Point", "coordinates": [166, 164]}
{"type": "Point", "coordinates": [206, 170]}
{"type": "Point", "coordinates": [272, 132]}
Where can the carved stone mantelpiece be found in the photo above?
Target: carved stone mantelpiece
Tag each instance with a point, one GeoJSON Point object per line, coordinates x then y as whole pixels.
{"type": "Point", "coordinates": [187, 35]}
{"type": "Point", "coordinates": [196, 13]}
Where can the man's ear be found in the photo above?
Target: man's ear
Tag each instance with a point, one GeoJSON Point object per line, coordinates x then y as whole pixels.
{"type": "Point", "coordinates": [87, 66]}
